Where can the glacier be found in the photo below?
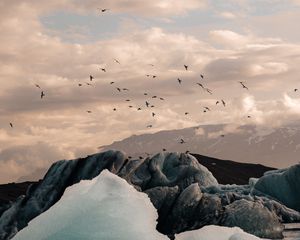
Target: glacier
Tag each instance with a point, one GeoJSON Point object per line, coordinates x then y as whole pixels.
{"type": "Point", "coordinates": [185, 194]}
{"type": "Point", "coordinates": [106, 207]}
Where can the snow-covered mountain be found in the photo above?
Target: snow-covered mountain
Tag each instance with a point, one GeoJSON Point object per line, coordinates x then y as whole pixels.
{"type": "Point", "coordinates": [275, 147]}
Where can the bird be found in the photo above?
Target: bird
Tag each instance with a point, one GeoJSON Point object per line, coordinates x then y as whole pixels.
{"type": "Point", "coordinates": [125, 89]}
{"type": "Point", "coordinates": [154, 96]}
{"type": "Point", "coordinates": [127, 100]}
{"type": "Point", "coordinates": [186, 113]}
{"type": "Point", "coordinates": [89, 111]}
{"type": "Point", "coordinates": [91, 78]}
{"type": "Point", "coordinates": [164, 149]}
{"type": "Point", "coordinates": [154, 76]}
{"type": "Point", "coordinates": [217, 102]}
{"type": "Point", "coordinates": [89, 84]}
{"type": "Point", "coordinates": [248, 116]}
{"type": "Point", "coordinates": [112, 82]}
{"type": "Point", "coordinates": [38, 86]}
{"type": "Point", "coordinates": [114, 109]}
{"type": "Point", "coordinates": [153, 114]}
{"type": "Point", "coordinates": [11, 125]}
{"type": "Point", "coordinates": [103, 69]}
{"type": "Point", "coordinates": [201, 76]}
{"type": "Point", "coordinates": [140, 157]}
{"type": "Point", "coordinates": [186, 67]}
{"type": "Point", "coordinates": [243, 85]}
{"type": "Point", "coordinates": [161, 98]}
{"type": "Point", "coordinates": [208, 90]}
{"type": "Point", "coordinates": [147, 75]}
{"type": "Point", "coordinates": [145, 94]}
{"type": "Point", "coordinates": [296, 89]}
{"type": "Point", "coordinates": [179, 80]}
{"type": "Point", "coordinates": [223, 102]}
{"type": "Point", "coordinates": [119, 89]}
{"type": "Point", "coordinates": [130, 106]}
{"type": "Point", "coordinates": [42, 94]}
{"type": "Point", "coordinates": [103, 9]}
{"type": "Point", "coordinates": [139, 109]}
{"type": "Point", "coordinates": [200, 85]}
{"type": "Point", "coordinates": [222, 135]}
{"type": "Point", "coordinates": [207, 108]}
{"type": "Point", "coordinates": [149, 126]}
{"type": "Point", "coordinates": [187, 152]}
{"type": "Point", "coordinates": [79, 84]}
{"type": "Point", "coordinates": [117, 61]}
{"type": "Point", "coordinates": [182, 141]}
{"type": "Point", "coordinates": [147, 104]}
{"type": "Point", "coordinates": [152, 106]}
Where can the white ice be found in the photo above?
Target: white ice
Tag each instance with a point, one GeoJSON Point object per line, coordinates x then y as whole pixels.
{"type": "Point", "coordinates": [216, 233]}
{"type": "Point", "coordinates": [105, 208]}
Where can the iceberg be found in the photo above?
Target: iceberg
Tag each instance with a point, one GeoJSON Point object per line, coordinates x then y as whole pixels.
{"type": "Point", "coordinates": [282, 185]}
{"type": "Point", "coordinates": [106, 207]}
{"type": "Point", "coordinates": [216, 233]}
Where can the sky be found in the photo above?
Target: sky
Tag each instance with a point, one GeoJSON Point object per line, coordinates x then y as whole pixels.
{"type": "Point", "coordinates": [58, 44]}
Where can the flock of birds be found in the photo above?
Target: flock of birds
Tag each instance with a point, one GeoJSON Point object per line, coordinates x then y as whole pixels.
{"type": "Point", "coordinates": [148, 105]}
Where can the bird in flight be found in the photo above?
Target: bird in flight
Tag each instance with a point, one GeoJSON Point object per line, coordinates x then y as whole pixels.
{"type": "Point", "coordinates": [127, 100]}
{"type": "Point", "coordinates": [114, 109]}
{"type": "Point", "coordinates": [296, 89]}
{"type": "Point", "coordinates": [217, 102]}
{"type": "Point", "coordinates": [42, 94]}
{"type": "Point", "coordinates": [89, 84]}
{"type": "Point", "coordinates": [119, 89]}
{"type": "Point", "coordinates": [153, 114]}
{"type": "Point", "coordinates": [38, 86]}
{"type": "Point", "coordinates": [103, 69]}
{"type": "Point", "coordinates": [161, 98]}
{"type": "Point", "coordinates": [186, 67]}
{"type": "Point", "coordinates": [179, 80]}
{"type": "Point", "coordinates": [186, 113]}
{"type": "Point", "coordinates": [149, 126]}
{"type": "Point", "coordinates": [208, 90]}
{"type": "Point", "coordinates": [243, 85]}
{"type": "Point", "coordinates": [103, 9]}
{"type": "Point", "coordinates": [182, 141]}
{"type": "Point", "coordinates": [145, 94]}
{"type": "Point", "coordinates": [223, 102]}
{"type": "Point", "coordinates": [200, 85]}
{"type": "Point", "coordinates": [91, 78]}
{"type": "Point", "coordinates": [11, 125]}
{"type": "Point", "coordinates": [117, 61]}
{"type": "Point", "coordinates": [147, 104]}
{"type": "Point", "coordinates": [154, 96]}
{"type": "Point", "coordinates": [125, 89]}
{"type": "Point", "coordinates": [207, 108]}
{"type": "Point", "coordinates": [139, 109]}
{"type": "Point", "coordinates": [201, 76]}
{"type": "Point", "coordinates": [89, 111]}
{"type": "Point", "coordinates": [248, 116]}
{"type": "Point", "coordinates": [164, 149]}
{"type": "Point", "coordinates": [222, 135]}
{"type": "Point", "coordinates": [154, 76]}
{"type": "Point", "coordinates": [112, 82]}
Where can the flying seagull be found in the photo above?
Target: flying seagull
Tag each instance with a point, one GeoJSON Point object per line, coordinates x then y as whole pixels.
{"type": "Point", "coordinates": [117, 61]}
{"type": "Point", "coordinates": [103, 69]}
{"type": "Point", "coordinates": [112, 82]}
{"type": "Point", "coordinates": [201, 76]}
{"type": "Point", "coordinates": [91, 78]}
{"type": "Point", "coordinates": [147, 104]}
{"type": "Point", "coordinates": [89, 84]}
{"type": "Point", "coordinates": [243, 85]}
{"type": "Point", "coordinates": [161, 98]}
{"type": "Point", "coordinates": [119, 89]}
{"type": "Point", "coordinates": [207, 108]}
{"type": "Point", "coordinates": [186, 67]}
{"type": "Point", "coordinates": [223, 102]}
{"type": "Point", "coordinates": [38, 86]}
{"type": "Point", "coordinates": [114, 109]}
{"type": "Point", "coordinates": [200, 85]}
{"type": "Point", "coordinates": [182, 141]}
{"type": "Point", "coordinates": [149, 126]}
{"type": "Point", "coordinates": [125, 89]}
{"type": "Point", "coordinates": [217, 102]}
{"type": "Point", "coordinates": [186, 113]}
{"type": "Point", "coordinates": [79, 84]}
{"type": "Point", "coordinates": [153, 114]}
{"type": "Point", "coordinates": [103, 9]}
{"type": "Point", "coordinates": [296, 89]}
{"type": "Point", "coordinates": [42, 94]}
{"type": "Point", "coordinates": [179, 80]}
{"type": "Point", "coordinates": [11, 125]}
{"type": "Point", "coordinates": [208, 90]}
{"type": "Point", "coordinates": [89, 111]}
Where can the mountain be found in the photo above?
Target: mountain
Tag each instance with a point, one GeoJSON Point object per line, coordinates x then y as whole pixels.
{"type": "Point", "coordinates": [275, 147]}
{"type": "Point", "coordinates": [184, 192]}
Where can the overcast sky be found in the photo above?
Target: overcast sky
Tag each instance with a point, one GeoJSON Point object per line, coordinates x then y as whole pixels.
{"type": "Point", "coordinates": [58, 44]}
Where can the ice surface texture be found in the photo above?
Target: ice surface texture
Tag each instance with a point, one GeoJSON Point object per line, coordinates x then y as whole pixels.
{"type": "Point", "coordinates": [105, 208]}
{"type": "Point", "coordinates": [283, 185]}
{"type": "Point", "coordinates": [185, 194]}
